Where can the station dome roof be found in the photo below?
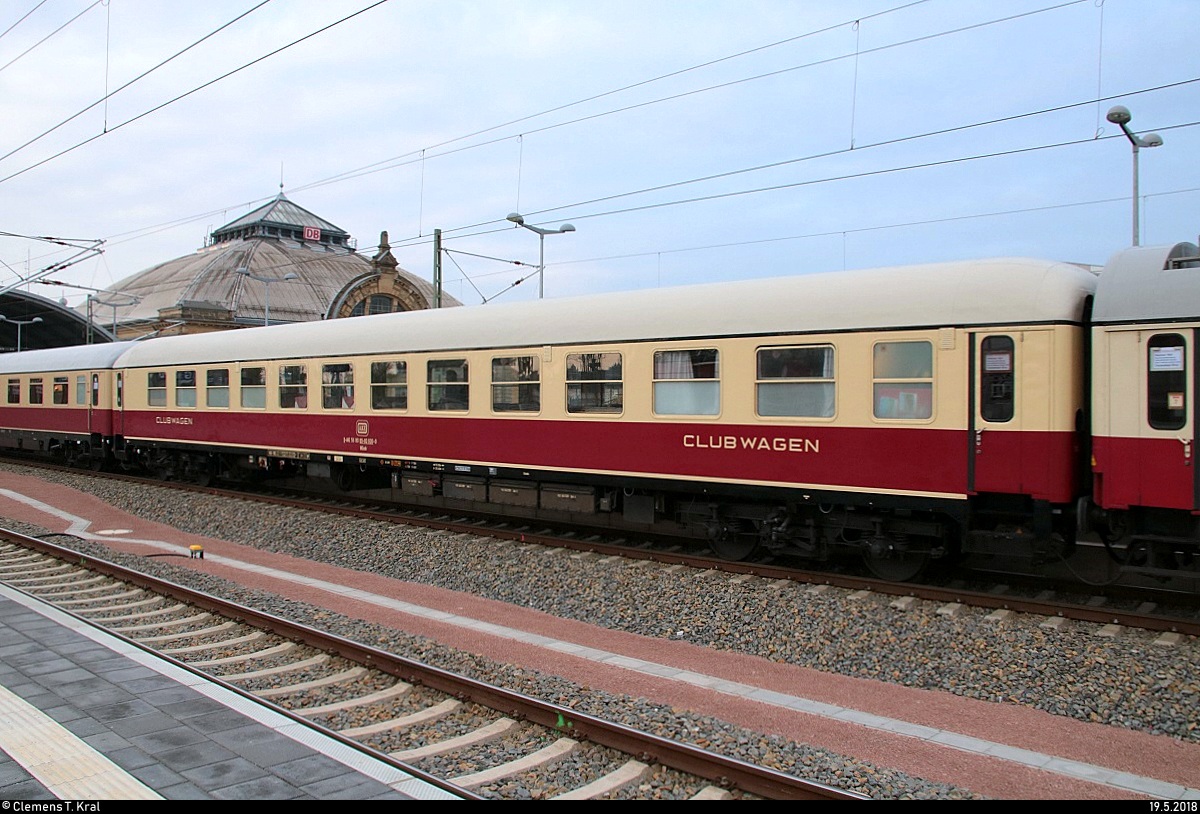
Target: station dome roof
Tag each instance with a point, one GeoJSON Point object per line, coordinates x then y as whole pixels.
{"type": "Point", "coordinates": [278, 263]}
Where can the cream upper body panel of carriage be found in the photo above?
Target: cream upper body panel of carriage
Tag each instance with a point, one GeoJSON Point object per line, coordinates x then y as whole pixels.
{"type": "Point", "coordinates": [1147, 308]}
{"type": "Point", "coordinates": [846, 321]}
{"type": "Point", "coordinates": [72, 367]}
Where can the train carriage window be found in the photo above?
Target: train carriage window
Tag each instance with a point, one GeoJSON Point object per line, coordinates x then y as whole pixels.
{"type": "Point", "coordinates": [81, 390]}
{"type": "Point", "coordinates": [156, 388]}
{"type": "Point", "coordinates": [1166, 380]}
{"type": "Point", "coordinates": [185, 388]}
{"type": "Point", "coordinates": [796, 381]}
{"type": "Point", "coordinates": [216, 387]}
{"type": "Point", "coordinates": [95, 389]}
{"type": "Point", "coordinates": [254, 387]}
{"type": "Point", "coordinates": [293, 387]}
{"type": "Point", "coordinates": [594, 383]}
{"type": "Point", "coordinates": [903, 379]}
{"type": "Point", "coordinates": [516, 384]}
{"type": "Point", "coordinates": [35, 391]}
{"type": "Point", "coordinates": [448, 384]}
{"type": "Point", "coordinates": [687, 382]}
{"type": "Point", "coordinates": [389, 385]}
{"type": "Point", "coordinates": [997, 378]}
{"type": "Point", "coordinates": [337, 387]}
{"type": "Point", "coordinates": [14, 391]}
{"type": "Point", "coordinates": [62, 390]}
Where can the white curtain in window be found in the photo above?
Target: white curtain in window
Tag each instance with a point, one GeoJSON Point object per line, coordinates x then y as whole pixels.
{"type": "Point", "coordinates": [673, 364]}
{"type": "Point", "coordinates": [827, 367]}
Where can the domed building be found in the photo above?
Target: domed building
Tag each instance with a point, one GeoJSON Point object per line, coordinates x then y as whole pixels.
{"type": "Point", "coordinates": [278, 263]}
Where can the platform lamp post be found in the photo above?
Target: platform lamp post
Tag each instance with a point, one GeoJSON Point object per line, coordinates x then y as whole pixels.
{"type": "Point", "coordinates": [20, 323]}
{"type": "Point", "coordinates": [541, 233]}
{"type": "Point", "coordinates": [266, 281]}
{"type": "Point", "coordinates": [1121, 117]}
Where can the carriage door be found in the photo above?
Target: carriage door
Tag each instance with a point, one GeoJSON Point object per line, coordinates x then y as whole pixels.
{"type": "Point", "coordinates": [93, 402]}
{"type": "Point", "coordinates": [1166, 445]}
{"type": "Point", "coordinates": [1011, 447]}
{"type": "Point", "coordinates": [119, 407]}
{"type": "Point", "coordinates": [994, 452]}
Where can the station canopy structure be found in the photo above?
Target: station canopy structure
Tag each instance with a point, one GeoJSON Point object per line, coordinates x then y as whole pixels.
{"type": "Point", "coordinates": [279, 263]}
{"type": "Point", "coordinates": [32, 322]}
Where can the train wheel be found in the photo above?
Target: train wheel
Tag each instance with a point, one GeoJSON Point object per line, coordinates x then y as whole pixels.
{"type": "Point", "coordinates": [344, 478]}
{"type": "Point", "coordinates": [895, 562]}
{"type": "Point", "coordinates": [732, 540]}
{"type": "Point", "coordinates": [90, 457]}
{"type": "Point", "coordinates": [1113, 527]}
{"type": "Point", "coordinates": [734, 547]}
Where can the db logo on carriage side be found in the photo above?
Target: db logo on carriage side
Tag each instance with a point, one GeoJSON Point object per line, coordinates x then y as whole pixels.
{"type": "Point", "coordinates": [362, 437]}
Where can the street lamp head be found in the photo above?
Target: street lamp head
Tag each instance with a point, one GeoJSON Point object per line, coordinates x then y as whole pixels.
{"type": "Point", "coordinates": [291, 275]}
{"type": "Point", "coordinates": [516, 218]}
{"type": "Point", "coordinates": [566, 227]}
{"type": "Point", "coordinates": [1119, 115]}
{"type": "Point", "coordinates": [35, 320]}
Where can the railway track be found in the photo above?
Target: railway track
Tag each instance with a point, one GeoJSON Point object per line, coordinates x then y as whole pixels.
{"type": "Point", "coordinates": [478, 740]}
{"type": "Point", "coordinates": [1142, 607]}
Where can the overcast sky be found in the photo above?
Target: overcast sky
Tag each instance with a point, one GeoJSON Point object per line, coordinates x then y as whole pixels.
{"type": "Point", "coordinates": [685, 141]}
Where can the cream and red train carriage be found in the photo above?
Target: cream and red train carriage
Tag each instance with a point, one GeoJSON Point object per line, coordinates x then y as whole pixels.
{"type": "Point", "coordinates": [60, 401]}
{"type": "Point", "coordinates": [884, 412]}
{"type": "Point", "coordinates": [1144, 419]}
{"type": "Point", "coordinates": [898, 413]}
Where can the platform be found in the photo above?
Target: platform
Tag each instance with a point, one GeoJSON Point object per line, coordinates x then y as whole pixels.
{"type": "Point", "coordinates": [85, 715]}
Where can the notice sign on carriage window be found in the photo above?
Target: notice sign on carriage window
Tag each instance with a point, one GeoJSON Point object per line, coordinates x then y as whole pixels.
{"type": "Point", "coordinates": [997, 362]}
{"type": "Point", "coordinates": [1166, 359]}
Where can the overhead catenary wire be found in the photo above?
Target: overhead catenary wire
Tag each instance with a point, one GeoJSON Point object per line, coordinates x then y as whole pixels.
{"type": "Point", "coordinates": [827, 154]}
{"type": "Point", "coordinates": [596, 96]}
{"type": "Point", "coordinates": [117, 239]}
{"type": "Point", "coordinates": [421, 154]}
{"type": "Point", "coordinates": [22, 19]}
{"type": "Point", "coordinates": [464, 229]}
{"type": "Point", "coordinates": [196, 89]}
{"type": "Point", "coordinates": [48, 36]}
{"type": "Point", "coordinates": [108, 95]}
{"type": "Point", "coordinates": [829, 179]}
{"type": "Point", "coordinates": [412, 157]}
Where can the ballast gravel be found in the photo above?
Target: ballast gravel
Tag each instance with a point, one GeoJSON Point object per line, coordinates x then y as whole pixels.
{"type": "Point", "coordinates": [1071, 671]}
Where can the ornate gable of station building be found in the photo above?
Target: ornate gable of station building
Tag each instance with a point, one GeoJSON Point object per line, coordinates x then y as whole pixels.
{"type": "Point", "coordinates": [278, 263]}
